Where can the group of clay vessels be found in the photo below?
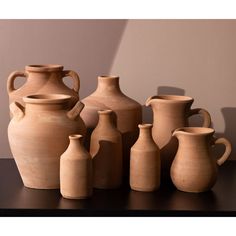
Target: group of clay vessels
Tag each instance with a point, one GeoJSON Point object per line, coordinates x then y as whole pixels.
{"type": "Point", "coordinates": [60, 142]}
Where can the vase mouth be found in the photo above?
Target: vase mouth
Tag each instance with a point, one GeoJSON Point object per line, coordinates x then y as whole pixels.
{"type": "Point", "coordinates": [44, 68]}
{"type": "Point", "coordinates": [195, 130]}
{"type": "Point", "coordinates": [47, 98]}
{"type": "Point", "coordinates": [107, 77]}
{"type": "Point", "coordinates": [145, 126]}
{"type": "Point", "coordinates": [173, 98]}
{"type": "Point", "coordinates": [107, 111]}
{"type": "Point", "coordinates": [75, 136]}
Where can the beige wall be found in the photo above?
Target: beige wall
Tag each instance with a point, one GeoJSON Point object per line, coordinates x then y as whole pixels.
{"type": "Point", "coordinates": [192, 57]}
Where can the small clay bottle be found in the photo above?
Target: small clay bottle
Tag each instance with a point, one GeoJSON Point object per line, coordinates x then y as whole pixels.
{"type": "Point", "coordinates": [145, 163]}
{"type": "Point", "coordinates": [106, 151]}
{"type": "Point", "coordinates": [76, 170]}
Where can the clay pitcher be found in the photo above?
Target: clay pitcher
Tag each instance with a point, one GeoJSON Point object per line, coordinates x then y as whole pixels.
{"type": "Point", "coordinates": [169, 113]}
{"type": "Point", "coordinates": [38, 135]}
{"type": "Point", "coordinates": [194, 168]}
{"type": "Point", "coordinates": [106, 151]}
{"type": "Point", "coordinates": [43, 79]}
{"type": "Point", "coordinates": [128, 112]}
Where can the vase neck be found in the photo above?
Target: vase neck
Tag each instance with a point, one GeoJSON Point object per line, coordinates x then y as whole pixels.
{"type": "Point", "coordinates": [108, 85]}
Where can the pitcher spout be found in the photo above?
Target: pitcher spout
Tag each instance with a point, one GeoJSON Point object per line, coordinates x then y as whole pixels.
{"type": "Point", "coordinates": [150, 100]}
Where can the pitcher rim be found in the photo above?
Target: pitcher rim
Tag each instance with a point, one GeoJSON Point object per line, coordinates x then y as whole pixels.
{"type": "Point", "coordinates": [173, 98]}
{"type": "Point", "coordinates": [46, 98]}
{"type": "Point", "coordinates": [195, 130]}
{"type": "Point", "coordinates": [43, 67]}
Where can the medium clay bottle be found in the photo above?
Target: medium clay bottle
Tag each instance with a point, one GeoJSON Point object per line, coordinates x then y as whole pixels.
{"type": "Point", "coordinates": [106, 151]}
{"type": "Point", "coordinates": [76, 170]}
{"type": "Point", "coordinates": [145, 163]}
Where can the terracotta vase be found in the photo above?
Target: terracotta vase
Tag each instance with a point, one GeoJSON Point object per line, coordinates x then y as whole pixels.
{"type": "Point", "coordinates": [145, 163]}
{"type": "Point", "coordinates": [169, 113]}
{"type": "Point", "coordinates": [106, 151]}
{"type": "Point", "coordinates": [128, 112]}
{"type": "Point", "coordinates": [76, 170]}
{"type": "Point", "coordinates": [43, 79]}
{"type": "Point", "coordinates": [38, 135]}
{"type": "Point", "coordinates": [194, 168]}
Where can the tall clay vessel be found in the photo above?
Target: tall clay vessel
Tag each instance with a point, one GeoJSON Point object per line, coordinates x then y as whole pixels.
{"type": "Point", "coordinates": [169, 113]}
{"type": "Point", "coordinates": [106, 151]}
{"type": "Point", "coordinates": [43, 79]}
{"type": "Point", "coordinates": [38, 135]}
{"type": "Point", "coordinates": [128, 112]}
{"type": "Point", "coordinates": [76, 170]}
{"type": "Point", "coordinates": [194, 168]}
{"type": "Point", "coordinates": [145, 163]}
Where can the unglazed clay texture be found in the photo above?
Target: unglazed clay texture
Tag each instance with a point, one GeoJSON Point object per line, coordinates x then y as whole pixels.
{"type": "Point", "coordinates": [194, 168]}
{"type": "Point", "coordinates": [145, 163]}
{"type": "Point", "coordinates": [76, 170]}
{"type": "Point", "coordinates": [169, 113]}
{"type": "Point", "coordinates": [106, 151]}
{"type": "Point", "coordinates": [38, 135]}
{"type": "Point", "coordinates": [43, 79]}
{"type": "Point", "coordinates": [128, 112]}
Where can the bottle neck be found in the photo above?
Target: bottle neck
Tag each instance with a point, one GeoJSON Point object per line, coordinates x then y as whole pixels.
{"type": "Point", "coordinates": [108, 85]}
{"type": "Point", "coordinates": [76, 143]}
{"type": "Point", "coordinates": [145, 132]}
{"type": "Point", "coordinates": [106, 118]}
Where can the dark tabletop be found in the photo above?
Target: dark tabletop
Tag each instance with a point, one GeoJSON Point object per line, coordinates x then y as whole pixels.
{"type": "Point", "coordinates": [17, 200]}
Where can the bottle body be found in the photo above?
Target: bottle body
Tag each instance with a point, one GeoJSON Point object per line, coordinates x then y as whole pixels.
{"type": "Point", "coordinates": [76, 170]}
{"type": "Point", "coordinates": [145, 162]}
{"type": "Point", "coordinates": [106, 151]}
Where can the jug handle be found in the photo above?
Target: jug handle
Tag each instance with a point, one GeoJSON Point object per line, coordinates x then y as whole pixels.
{"type": "Point", "coordinates": [17, 110]}
{"type": "Point", "coordinates": [75, 111]}
{"type": "Point", "coordinates": [228, 149]}
{"type": "Point", "coordinates": [206, 116]}
{"type": "Point", "coordinates": [75, 77]}
{"type": "Point", "coordinates": [11, 79]}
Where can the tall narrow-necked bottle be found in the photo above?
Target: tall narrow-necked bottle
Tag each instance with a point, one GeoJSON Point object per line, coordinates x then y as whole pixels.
{"type": "Point", "coordinates": [106, 151]}
{"type": "Point", "coordinates": [76, 170]}
{"type": "Point", "coordinates": [145, 163]}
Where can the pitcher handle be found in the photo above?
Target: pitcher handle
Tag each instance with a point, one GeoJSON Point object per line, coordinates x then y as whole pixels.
{"type": "Point", "coordinates": [205, 114]}
{"type": "Point", "coordinates": [228, 149]}
{"type": "Point", "coordinates": [11, 79]}
{"type": "Point", "coordinates": [75, 77]}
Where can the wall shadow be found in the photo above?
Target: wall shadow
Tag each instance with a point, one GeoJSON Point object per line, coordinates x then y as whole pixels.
{"type": "Point", "coordinates": [229, 114]}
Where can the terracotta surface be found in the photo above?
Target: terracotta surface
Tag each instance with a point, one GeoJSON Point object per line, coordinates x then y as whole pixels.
{"type": "Point", "coordinates": [106, 151]}
{"type": "Point", "coordinates": [127, 111]}
{"type": "Point", "coordinates": [43, 79]}
{"type": "Point", "coordinates": [76, 170]}
{"type": "Point", "coordinates": [194, 168]}
{"type": "Point", "coordinates": [38, 135]}
{"type": "Point", "coordinates": [145, 163]}
{"type": "Point", "coordinates": [169, 113]}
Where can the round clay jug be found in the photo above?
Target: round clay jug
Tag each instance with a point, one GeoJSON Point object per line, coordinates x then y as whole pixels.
{"type": "Point", "coordinates": [194, 168]}
{"type": "Point", "coordinates": [76, 170]}
{"type": "Point", "coordinates": [145, 163]}
{"type": "Point", "coordinates": [106, 151]}
{"type": "Point", "coordinates": [169, 113]}
{"type": "Point", "coordinates": [127, 111]}
{"type": "Point", "coordinates": [43, 79]}
{"type": "Point", "coordinates": [38, 135]}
